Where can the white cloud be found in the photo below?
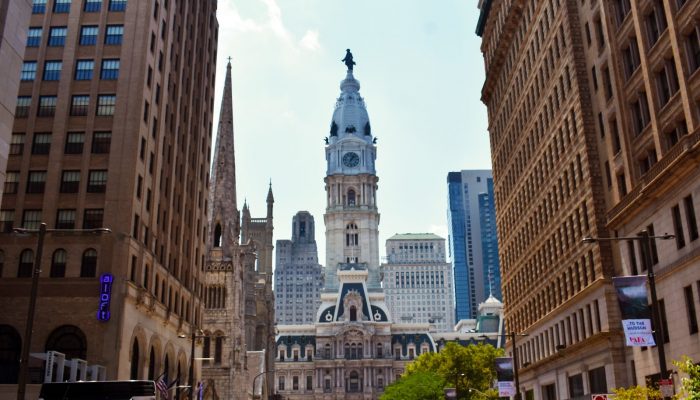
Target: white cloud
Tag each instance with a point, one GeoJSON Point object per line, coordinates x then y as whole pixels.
{"type": "Point", "coordinates": [310, 41]}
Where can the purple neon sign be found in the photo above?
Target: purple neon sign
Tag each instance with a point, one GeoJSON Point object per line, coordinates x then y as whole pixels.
{"type": "Point", "coordinates": [105, 297]}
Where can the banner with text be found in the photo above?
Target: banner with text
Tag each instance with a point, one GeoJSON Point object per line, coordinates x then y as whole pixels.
{"type": "Point", "coordinates": [504, 376]}
{"type": "Point", "coordinates": [634, 307]}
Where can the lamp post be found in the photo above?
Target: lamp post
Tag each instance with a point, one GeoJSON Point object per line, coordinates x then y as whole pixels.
{"type": "Point", "coordinates": [252, 393]}
{"type": "Point", "coordinates": [512, 336]}
{"type": "Point", "coordinates": [190, 377]}
{"type": "Point", "coordinates": [36, 270]}
{"type": "Point", "coordinates": [645, 238]}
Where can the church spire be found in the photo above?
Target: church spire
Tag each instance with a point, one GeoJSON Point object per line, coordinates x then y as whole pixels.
{"type": "Point", "coordinates": [224, 220]}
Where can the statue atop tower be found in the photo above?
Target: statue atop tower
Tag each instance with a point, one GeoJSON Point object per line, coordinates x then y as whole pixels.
{"type": "Point", "coordinates": [348, 60]}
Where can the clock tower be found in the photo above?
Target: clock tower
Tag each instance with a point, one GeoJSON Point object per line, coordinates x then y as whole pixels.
{"type": "Point", "coordinates": [352, 217]}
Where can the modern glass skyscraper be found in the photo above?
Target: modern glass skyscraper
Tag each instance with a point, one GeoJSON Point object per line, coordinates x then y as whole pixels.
{"type": "Point", "coordinates": [473, 244]}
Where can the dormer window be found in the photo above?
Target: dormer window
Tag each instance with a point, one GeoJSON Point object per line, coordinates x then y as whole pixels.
{"type": "Point", "coordinates": [368, 129]}
{"type": "Point", "coordinates": [350, 129]}
{"type": "Point", "coordinates": [351, 197]}
{"type": "Point", "coordinates": [334, 129]}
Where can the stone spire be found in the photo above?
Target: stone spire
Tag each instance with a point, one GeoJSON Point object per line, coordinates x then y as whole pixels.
{"type": "Point", "coordinates": [270, 201]}
{"type": "Point", "coordinates": [224, 227]}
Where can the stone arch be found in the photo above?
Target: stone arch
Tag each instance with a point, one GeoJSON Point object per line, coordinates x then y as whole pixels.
{"type": "Point", "coordinates": [351, 196]}
{"type": "Point", "coordinates": [154, 354]}
{"type": "Point", "coordinates": [169, 360]}
{"type": "Point", "coordinates": [69, 340]}
{"type": "Point", "coordinates": [181, 369]}
{"type": "Point", "coordinates": [138, 340]}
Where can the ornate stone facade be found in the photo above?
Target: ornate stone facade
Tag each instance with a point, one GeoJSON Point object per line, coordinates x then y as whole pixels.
{"type": "Point", "coordinates": [239, 305]}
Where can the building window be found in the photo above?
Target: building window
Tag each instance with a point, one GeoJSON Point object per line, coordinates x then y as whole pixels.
{"type": "Point", "coordinates": [26, 264]}
{"type": "Point", "coordinates": [31, 219]}
{"type": "Point", "coordinates": [88, 35]}
{"type": "Point", "coordinates": [88, 264]}
{"type": "Point", "coordinates": [58, 264]}
{"type": "Point", "coordinates": [42, 143]}
{"type": "Point", "coordinates": [295, 383]}
{"type": "Point", "coordinates": [690, 309]}
{"type": "Point", "coordinates": [92, 5]}
{"type": "Point", "coordinates": [674, 135]}
{"type": "Point", "coordinates": [101, 142]}
{"type": "Point", "coordinates": [17, 144]}
{"type": "Point", "coordinates": [114, 34]}
{"type": "Point", "coordinates": [97, 181]}
{"type": "Point", "coordinates": [117, 5]}
{"type": "Point", "coordinates": [656, 22]}
{"type": "Point", "coordinates": [218, 349]}
{"type": "Point", "coordinates": [690, 217]}
{"type": "Point", "coordinates": [65, 219]}
{"type": "Point", "coordinates": [110, 69]}
{"type": "Point", "coordinates": [34, 36]}
{"type": "Point", "coordinates": [74, 143]}
{"type": "Point", "coordinates": [678, 226]}
{"type": "Point", "coordinates": [576, 386]}
{"type": "Point", "coordinates": [36, 181]}
{"type": "Point", "coordinates": [280, 383]}
{"type": "Point", "coordinates": [693, 48]}
{"type": "Point", "coordinates": [106, 104]}
{"type": "Point", "coordinates": [7, 220]}
{"type": "Point", "coordinates": [70, 182]}
{"type": "Point", "coordinates": [309, 382]}
{"type": "Point", "coordinates": [52, 70]}
{"type": "Point", "coordinates": [28, 71]}
{"type": "Point", "coordinates": [39, 6]}
{"type": "Point", "coordinates": [666, 82]}
{"type": "Point", "coordinates": [11, 182]}
{"type": "Point", "coordinates": [630, 57]}
{"type": "Point", "coordinates": [57, 36]}
{"type": "Point", "coordinates": [61, 6]}
{"type": "Point", "coordinates": [23, 104]}
{"type": "Point", "coordinates": [83, 70]}
{"type": "Point", "coordinates": [597, 381]}
{"type": "Point", "coordinates": [47, 106]}
{"type": "Point", "coordinates": [92, 218]}
{"type": "Point", "coordinates": [79, 105]}
{"type": "Point", "coordinates": [640, 113]}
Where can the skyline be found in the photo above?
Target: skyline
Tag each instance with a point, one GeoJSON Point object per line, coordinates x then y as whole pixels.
{"type": "Point", "coordinates": [288, 58]}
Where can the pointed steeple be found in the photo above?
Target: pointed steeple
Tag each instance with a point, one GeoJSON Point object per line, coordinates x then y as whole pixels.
{"type": "Point", "coordinates": [270, 202]}
{"type": "Point", "coordinates": [224, 222]}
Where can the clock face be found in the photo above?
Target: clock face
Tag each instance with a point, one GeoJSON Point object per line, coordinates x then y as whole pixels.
{"type": "Point", "coordinates": [351, 159]}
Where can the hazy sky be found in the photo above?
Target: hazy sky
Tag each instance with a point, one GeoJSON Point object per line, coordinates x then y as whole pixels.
{"type": "Point", "coordinates": [421, 73]}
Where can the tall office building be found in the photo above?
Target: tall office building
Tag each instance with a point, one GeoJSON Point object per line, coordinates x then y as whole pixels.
{"type": "Point", "coordinates": [593, 114]}
{"type": "Point", "coordinates": [112, 129]}
{"type": "Point", "coordinates": [14, 16]}
{"type": "Point", "coordinates": [418, 281]}
{"type": "Point", "coordinates": [298, 275]}
{"type": "Point", "coordinates": [473, 246]}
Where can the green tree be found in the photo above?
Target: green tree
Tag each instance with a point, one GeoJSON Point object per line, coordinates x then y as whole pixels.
{"type": "Point", "coordinates": [416, 386]}
{"type": "Point", "coordinates": [637, 393]}
{"type": "Point", "coordinates": [690, 385]}
{"type": "Point", "coordinates": [462, 367]}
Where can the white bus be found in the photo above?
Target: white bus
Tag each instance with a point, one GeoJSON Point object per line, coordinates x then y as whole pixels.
{"type": "Point", "coordinates": [104, 390]}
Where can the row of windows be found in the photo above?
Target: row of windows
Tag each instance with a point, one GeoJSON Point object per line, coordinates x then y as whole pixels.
{"type": "Point", "coordinates": [70, 181]}
{"type": "Point", "coordinates": [59, 260]}
{"type": "Point", "coordinates": [63, 6]}
{"type": "Point", "coordinates": [88, 35]}
{"type": "Point", "coordinates": [79, 105]}
{"type": "Point", "coordinates": [83, 70]}
{"type": "Point", "coordinates": [75, 142]}
{"type": "Point", "coordinates": [65, 219]}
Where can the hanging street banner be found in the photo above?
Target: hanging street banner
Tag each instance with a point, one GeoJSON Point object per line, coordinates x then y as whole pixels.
{"type": "Point", "coordinates": [634, 307]}
{"type": "Point", "coordinates": [505, 376]}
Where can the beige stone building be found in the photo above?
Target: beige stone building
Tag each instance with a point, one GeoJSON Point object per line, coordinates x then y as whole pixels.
{"type": "Point", "coordinates": [14, 15]}
{"type": "Point", "coordinates": [112, 129]}
{"type": "Point", "coordinates": [593, 118]}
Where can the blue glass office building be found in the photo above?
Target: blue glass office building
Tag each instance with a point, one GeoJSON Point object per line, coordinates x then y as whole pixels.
{"type": "Point", "coordinates": [473, 246]}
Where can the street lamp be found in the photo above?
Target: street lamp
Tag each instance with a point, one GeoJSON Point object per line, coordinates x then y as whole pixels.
{"type": "Point", "coordinates": [477, 391]}
{"type": "Point", "coordinates": [41, 232]}
{"type": "Point", "coordinates": [252, 393]}
{"type": "Point", "coordinates": [512, 336]}
{"type": "Point", "coordinates": [645, 240]}
{"type": "Point", "coordinates": [190, 378]}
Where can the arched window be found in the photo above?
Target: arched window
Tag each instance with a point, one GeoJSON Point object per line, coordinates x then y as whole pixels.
{"type": "Point", "coordinates": [353, 313]}
{"type": "Point", "coordinates": [152, 364]}
{"type": "Point", "coordinates": [218, 349]}
{"type": "Point", "coordinates": [206, 351]}
{"type": "Point", "coordinates": [166, 368]}
{"type": "Point", "coordinates": [134, 374]}
{"type": "Point", "coordinates": [69, 340]}
{"type": "Point", "coordinates": [351, 197]}
{"type": "Point", "coordinates": [88, 266]}
{"type": "Point", "coordinates": [380, 350]}
{"type": "Point", "coordinates": [347, 350]}
{"type": "Point", "coordinates": [58, 264]}
{"type": "Point", "coordinates": [327, 351]}
{"type": "Point", "coordinates": [354, 382]}
{"type": "Point", "coordinates": [10, 347]}
{"type": "Point", "coordinates": [359, 350]}
{"type": "Point", "coordinates": [26, 264]}
{"type": "Point", "coordinates": [217, 235]}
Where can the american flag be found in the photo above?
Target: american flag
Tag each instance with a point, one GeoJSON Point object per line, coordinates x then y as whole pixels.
{"type": "Point", "coordinates": [200, 391]}
{"type": "Point", "coordinates": [162, 386]}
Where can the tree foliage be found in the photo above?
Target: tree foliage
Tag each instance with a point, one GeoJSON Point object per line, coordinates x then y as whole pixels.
{"type": "Point", "coordinates": [637, 393]}
{"type": "Point", "coordinates": [417, 386]}
{"type": "Point", "coordinates": [690, 385]}
{"type": "Point", "coordinates": [463, 367]}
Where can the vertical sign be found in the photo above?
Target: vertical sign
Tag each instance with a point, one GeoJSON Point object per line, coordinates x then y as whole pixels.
{"type": "Point", "coordinates": [505, 376]}
{"type": "Point", "coordinates": [634, 307]}
{"type": "Point", "coordinates": [105, 297]}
